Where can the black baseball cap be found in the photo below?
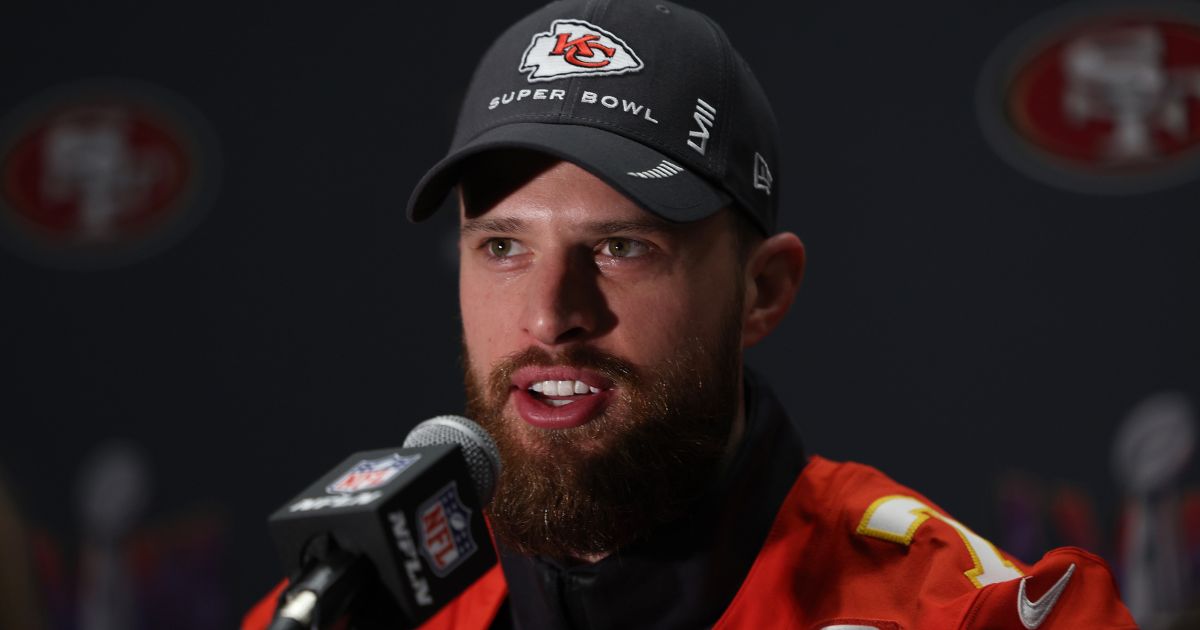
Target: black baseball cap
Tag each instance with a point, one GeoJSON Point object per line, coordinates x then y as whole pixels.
{"type": "Point", "coordinates": [647, 95]}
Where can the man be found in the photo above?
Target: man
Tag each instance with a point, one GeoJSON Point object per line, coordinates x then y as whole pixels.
{"type": "Point", "coordinates": [617, 174]}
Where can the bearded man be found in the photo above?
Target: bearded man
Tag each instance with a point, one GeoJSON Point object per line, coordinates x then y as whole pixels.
{"type": "Point", "coordinates": [617, 174]}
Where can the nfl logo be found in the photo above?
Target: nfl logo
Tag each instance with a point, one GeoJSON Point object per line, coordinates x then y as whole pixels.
{"type": "Point", "coordinates": [369, 474]}
{"type": "Point", "coordinates": [445, 531]}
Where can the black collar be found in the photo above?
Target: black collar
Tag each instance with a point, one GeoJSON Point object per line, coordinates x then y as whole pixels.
{"type": "Point", "coordinates": [686, 573]}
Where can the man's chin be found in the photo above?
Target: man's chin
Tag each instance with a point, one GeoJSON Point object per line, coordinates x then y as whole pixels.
{"type": "Point", "coordinates": [582, 489]}
{"type": "Point", "coordinates": [583, 492]}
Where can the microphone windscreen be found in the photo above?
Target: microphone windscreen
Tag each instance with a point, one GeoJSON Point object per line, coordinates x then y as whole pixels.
{"type": "Point", "coordinates": [483, 458]}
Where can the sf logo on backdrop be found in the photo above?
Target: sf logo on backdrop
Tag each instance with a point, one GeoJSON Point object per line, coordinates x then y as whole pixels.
{"type": "Point", "coordinates": [574, 48]}
{"type": "Point", "coordinates": [1099, 98]}
{"type": "Point", "coordinates": [99, 174]}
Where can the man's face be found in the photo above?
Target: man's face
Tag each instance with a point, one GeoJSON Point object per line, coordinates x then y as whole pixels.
{"type": "Point", "coordinates": [602, 350]}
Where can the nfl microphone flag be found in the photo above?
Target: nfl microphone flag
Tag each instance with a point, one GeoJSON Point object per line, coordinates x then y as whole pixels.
{"type": "Point", "coordinates": [413, 513]}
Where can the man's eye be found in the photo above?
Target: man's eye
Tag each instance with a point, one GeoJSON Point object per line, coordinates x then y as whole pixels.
{"type": "Point", "coordinates": [623, 248]}
{"type": "Point", "coordinates": [504, 247]}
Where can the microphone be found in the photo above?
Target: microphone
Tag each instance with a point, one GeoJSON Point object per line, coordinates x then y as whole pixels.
{"type": "Point", "coordinates": [389, 536]}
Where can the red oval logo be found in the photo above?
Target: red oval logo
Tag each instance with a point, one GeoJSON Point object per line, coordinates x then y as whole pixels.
{"type": "Point", "coordinates": [101, 174]}
{"type": "Point", "coordinates": [1103, 100]}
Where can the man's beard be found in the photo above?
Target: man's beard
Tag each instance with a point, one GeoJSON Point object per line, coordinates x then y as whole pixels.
{"type": "Point", "coordinates": [587, 491]}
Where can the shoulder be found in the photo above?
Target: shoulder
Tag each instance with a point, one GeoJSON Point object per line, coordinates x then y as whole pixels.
{"type": "Point", "coordinates": [850, 543]}
{"type": "Point", "coordinates": [848, 500]}
{"type": "Point", "coordinates": [846, 484]}
{"type": "Point", "coordinates": [861, 515]}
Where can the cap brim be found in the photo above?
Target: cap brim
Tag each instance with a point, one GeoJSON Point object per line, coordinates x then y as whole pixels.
{"type": "Point", "coordinates": [667, 190]}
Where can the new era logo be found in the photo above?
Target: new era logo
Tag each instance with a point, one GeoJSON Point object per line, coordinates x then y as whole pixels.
{"type": "Point", "coordinates": [762, 174]}
{"type": "Point", "coordinates": [574, 48]}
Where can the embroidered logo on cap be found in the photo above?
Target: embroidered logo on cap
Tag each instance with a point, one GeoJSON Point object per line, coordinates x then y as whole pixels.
{"type": "Point", "coordinates": [706, 117]}
{"type": "Point", "coordinates": [664, 169]}
{"type": "Point", "coordinates": [574, 48]}
{"type": "Point", "coordinates": [762, 174]}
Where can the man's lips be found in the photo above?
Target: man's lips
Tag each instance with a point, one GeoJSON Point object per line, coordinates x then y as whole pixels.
{"type": "Point", "coordinates": [559, 397]}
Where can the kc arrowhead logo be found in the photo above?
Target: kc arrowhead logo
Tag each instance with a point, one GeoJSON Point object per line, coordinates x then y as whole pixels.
{"type": "Point", "coordinates": [574, 48]}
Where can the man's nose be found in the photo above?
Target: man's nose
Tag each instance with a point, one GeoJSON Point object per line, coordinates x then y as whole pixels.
{"type": "Point", "coordinates": [565, 303]}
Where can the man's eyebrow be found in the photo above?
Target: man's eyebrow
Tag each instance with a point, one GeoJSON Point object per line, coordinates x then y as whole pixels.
{"type": "Point", "coordinates": [644, 226]}
{"type": "Point", "coordinates": [494, 226]}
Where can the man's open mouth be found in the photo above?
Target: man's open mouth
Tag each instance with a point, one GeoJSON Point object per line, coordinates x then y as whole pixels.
{"type": "Point", "coordinates": [557, 397]}
{"type": "Point", "coordinates": [560, 393]}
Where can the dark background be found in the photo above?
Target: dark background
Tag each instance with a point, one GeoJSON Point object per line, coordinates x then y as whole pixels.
{"type": "Point", "coordinates": [959, 321]}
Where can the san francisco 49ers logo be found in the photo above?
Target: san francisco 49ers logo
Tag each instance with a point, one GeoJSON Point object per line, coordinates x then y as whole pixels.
{"type": "Point", "coordinates": [576, 47]}
{"type": "Point", "coordinates": [1099, 97]}
{"type": "Point", "coordinates": [102, 173]}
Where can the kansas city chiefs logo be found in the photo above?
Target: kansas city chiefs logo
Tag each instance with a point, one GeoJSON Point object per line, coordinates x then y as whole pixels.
{"type": "Point", "coordinates": [574, 48]}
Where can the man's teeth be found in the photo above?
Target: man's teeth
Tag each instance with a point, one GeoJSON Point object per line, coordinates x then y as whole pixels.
{"type": "Point", "coordinates": [563, 388]}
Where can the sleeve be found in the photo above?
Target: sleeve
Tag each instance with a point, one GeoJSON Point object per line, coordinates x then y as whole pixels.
{"type": "Point", "coordinates": [1068, 588]}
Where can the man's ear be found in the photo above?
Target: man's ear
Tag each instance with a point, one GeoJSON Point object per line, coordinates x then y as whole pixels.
{"type": "Point", "coordinates": [773, 274]}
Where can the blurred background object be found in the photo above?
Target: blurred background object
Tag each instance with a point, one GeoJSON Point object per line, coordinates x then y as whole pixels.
{"type": "Point", "coordinates": [210, 293]}
{"type": "Point", "coordinates": [103, 172]}
{"type": "Point", "coordinates": [19, 603]}
{"type": "Point", "coordinates": [112, 493]}
{"type": "Point", "coordinates": [118, 570]}
{"type": "Point", "coordinates": [1152, 541]}
{"type": "Point", "coordinates": [1099, 97]}
{"type": "Point", "coordinates": [1153, 447]}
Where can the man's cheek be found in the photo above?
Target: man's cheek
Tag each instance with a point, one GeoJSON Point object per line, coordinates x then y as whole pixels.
{"type": "Point", "coordinates": [488, 318]}
{"type": "Point", "coordinates": [479, 324]}
{"type": "Point", "coordinates": [655, 330]}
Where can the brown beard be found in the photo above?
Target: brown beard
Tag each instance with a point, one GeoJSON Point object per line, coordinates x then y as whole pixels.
{"type": "Point", "coordinates": [587, 491]}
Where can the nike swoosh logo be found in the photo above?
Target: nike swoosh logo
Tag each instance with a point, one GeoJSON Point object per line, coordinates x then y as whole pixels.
{"type": "Point", "coordinates": [1034, 613]}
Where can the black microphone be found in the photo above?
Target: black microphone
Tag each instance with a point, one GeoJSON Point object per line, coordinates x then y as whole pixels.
{"type": "Point", "coordinates": [389, 536]}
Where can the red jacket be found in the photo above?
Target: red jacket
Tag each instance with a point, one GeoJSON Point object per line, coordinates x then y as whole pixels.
{"type": "Point", "coordinates": [851, 547]}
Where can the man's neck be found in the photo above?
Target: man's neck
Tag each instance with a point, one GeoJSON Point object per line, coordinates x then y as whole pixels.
{"type": "Point", "coordinates": [737, 430]}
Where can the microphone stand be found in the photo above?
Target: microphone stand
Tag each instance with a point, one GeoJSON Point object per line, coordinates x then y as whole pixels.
{"type": "Point", "coordinates": [324, 591]}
